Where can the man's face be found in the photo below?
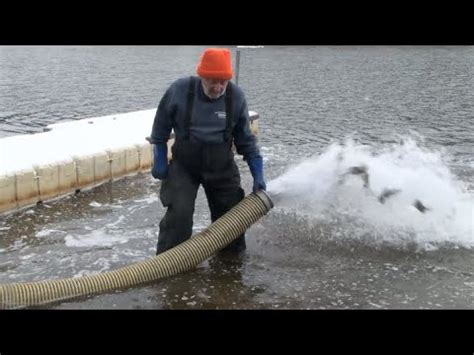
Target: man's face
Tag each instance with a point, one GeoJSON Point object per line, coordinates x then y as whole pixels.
{"type": "Point", "coordinates": [214, 88]}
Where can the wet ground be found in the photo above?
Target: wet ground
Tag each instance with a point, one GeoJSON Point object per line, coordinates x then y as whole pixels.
{"type": "Point", "coordinates": [291, 262]}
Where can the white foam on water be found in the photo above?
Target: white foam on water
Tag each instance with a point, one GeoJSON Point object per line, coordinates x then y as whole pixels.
{"type": "Point", "coordinates": [118, 221]}
{"type": "Point", "coordinates": [320, 186]}
{"type": "Point", "coordinates": [47, 232]}
{"type": "Point", "coordinates": [95, 238]}
{"type": "Point", "coordinates": [148, 200]}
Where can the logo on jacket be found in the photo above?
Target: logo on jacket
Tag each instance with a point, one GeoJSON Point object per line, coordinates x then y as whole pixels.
{"type": "Point", "coordinates": [221, 114]}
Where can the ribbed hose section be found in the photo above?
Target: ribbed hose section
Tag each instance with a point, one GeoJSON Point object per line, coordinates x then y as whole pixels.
{"type": "Point", "coordinates": [181, 258]}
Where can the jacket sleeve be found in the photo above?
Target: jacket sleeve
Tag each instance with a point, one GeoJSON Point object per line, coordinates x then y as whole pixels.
{"type": "Point", "coordinates": [163, 122]}
{"type": "Point", "coordinates": [244, 140]}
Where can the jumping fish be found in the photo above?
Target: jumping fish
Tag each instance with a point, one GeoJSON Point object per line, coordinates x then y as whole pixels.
{"type": "Point", "coordinates": [386, 193]}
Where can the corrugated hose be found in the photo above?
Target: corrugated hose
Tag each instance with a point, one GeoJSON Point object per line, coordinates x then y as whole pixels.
{"type": "Point", "coordinates": [183, 257]}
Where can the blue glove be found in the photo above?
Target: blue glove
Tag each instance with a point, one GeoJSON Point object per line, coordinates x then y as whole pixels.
{"type": "Point", "coordinates": [256, 168]}
{"type": "Point", "coordinates": [160, 161]}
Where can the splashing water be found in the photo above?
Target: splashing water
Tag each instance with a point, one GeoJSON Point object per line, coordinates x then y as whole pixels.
{"type": "Point", "coordinates": [321, 188]}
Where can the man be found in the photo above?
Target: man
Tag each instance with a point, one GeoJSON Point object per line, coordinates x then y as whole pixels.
{"type": "Point", "coordinates": [208, 113]}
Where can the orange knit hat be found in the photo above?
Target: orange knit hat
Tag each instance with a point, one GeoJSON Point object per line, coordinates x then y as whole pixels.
{"type": "Point", "coordinates": [215, 63]}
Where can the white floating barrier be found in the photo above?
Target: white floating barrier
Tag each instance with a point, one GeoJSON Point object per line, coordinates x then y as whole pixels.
{"type": "Point", "coordinates": [8, 193]}
{"type": "Point", "coordinates": [67, 177]}
{"type": "Point", "coordinates": [26, 184]}
{"type": "Point", "coordinates": [71, 156]}
{"type": "Point", "coordinates": [48, 182]}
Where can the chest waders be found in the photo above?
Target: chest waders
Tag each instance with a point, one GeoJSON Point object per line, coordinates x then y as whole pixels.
{"type": "Point", "coordinates": [193, 164]}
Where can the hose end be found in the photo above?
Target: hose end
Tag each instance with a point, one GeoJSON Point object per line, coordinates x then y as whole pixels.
{"type": "Point", "coordinates": [267, 201]}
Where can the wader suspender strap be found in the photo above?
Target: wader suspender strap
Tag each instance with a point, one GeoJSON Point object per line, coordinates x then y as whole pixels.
{"type": "Point", "coordinates": [189, 108]}
{"type": "Point", "coordinates": [228, 112]}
